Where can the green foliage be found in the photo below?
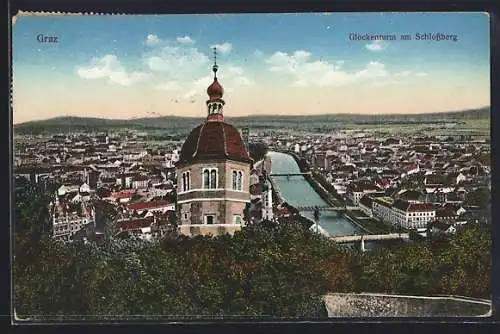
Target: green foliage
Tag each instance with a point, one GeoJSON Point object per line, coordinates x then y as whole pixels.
{"type": "Point", "coordinates": [267, 269]}
{"type": "Point", "coordinates": [457, 266]}
{"type": "Point", "coordinates": [466, 263]}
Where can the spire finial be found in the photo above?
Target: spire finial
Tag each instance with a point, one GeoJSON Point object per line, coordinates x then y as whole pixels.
{"type": "Point", "coordinates": [215, 67]}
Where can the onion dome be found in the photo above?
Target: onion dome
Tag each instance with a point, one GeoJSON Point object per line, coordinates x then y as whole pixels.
{"type": "Point", "coordinates": [215, 90]}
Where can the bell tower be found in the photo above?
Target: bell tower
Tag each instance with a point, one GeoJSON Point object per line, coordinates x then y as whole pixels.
{"type": "Point", "coordinates": [215, 103]}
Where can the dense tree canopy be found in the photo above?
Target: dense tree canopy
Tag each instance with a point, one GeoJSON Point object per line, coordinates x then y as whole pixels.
{"type": "Point", "coordinates": [457, 266]}
{"type": "Point", "coordinates": [267, 269]}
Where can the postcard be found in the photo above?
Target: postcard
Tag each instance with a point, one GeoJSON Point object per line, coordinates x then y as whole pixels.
{"type": "Point", "coordinates": [251, 166]}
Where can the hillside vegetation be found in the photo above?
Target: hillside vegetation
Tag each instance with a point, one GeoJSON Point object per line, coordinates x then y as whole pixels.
{"type": "Point", "coordinates": [279, 270]}
{"type": "Point", "coordinates": [182, 124]}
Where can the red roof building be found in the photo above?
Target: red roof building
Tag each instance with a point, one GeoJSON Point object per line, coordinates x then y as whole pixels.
{"type": "Point", "coordinates": [214, 139]}
{"type": "Point", "coordinates": [150, 205]}
{"type": "Point", "coordinates": [421, 207]}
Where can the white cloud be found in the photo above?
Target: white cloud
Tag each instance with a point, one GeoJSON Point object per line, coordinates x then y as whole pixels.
{"type": "Point", "coordinates": [233, 71]}
{"type": "Point", "coordinates": [182, 64]}
{"type": "Point", "coordinates": [231, 78]}
{"type": "Point", "coordinates": [223, 48]}
{"type": "Point", "coordinates": [308, 72]}
{"type": "Point", "coordinates": [375, 46]}
{"type": "Point", "coordinates": [258, 53]}
{"type": "Point", "coordinates": [338, 64]}
{"type": "Point", "coordinates": [176, 60]}
{"type": "Point", "coordinates": [421, 74]}
{"type": "Point", "coordinates": [109, 67]}
{"type": "Point", "coordinates": [169, 85]}
{"type": "Point", "coordinates": [190, 94]}
{"type": "Point", "coordinates": [282, 62]}
{"type": "Point", "coordinates": [373, 70]}
{"type": "Point", "coordinates": [152, 40]}
{"type": "Point", "coordinates": [332, 78]}
{"type": "Point", "coordinates": [185, 40]}
{"type": "Point", "coordinates": [299, 83]}
{"type": "Point", "coordinates": [319, 73]}
{"type": "Point", "coordinates": [234, 77]}
{"type": "Point", "coordinates": [202, 83]}
{"type": "Point", "coordinates": [243, 82]}
{"type": "Point", "coordinates": [402, 74]}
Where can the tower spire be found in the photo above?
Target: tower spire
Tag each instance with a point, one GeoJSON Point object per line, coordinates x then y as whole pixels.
{"type": "Point", "coordinates": [215, 67]}
{"type": "Point", "coordinates": [215, 92]}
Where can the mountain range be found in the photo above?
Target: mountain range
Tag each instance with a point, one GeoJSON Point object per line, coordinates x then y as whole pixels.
{"type": "Point", "coordinates": [66, 123]}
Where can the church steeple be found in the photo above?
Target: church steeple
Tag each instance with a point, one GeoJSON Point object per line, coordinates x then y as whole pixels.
{"type": "Point", "coordinates": [215, 103]}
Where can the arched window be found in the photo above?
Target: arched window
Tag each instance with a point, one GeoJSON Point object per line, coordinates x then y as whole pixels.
{"type": "Point", "coordinates": [186, 181]}
{"type": "Point", "coordinates": [240, 180]}
{"type": "Point", "coordinates": [213, 179]}
{"type": "Point", "coordinates": [235, 177]}
{"type": "Point", "coordinates": [209, 178]}
{"type": "Point", "coordinates": [206, 179]}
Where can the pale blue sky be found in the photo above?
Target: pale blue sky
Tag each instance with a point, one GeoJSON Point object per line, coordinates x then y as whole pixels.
{"type": "Point", "coordinates": [127, 66]}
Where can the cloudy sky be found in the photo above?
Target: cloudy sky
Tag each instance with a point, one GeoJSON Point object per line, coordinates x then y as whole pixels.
{"type": "Point", "coordinates": [276, 64]}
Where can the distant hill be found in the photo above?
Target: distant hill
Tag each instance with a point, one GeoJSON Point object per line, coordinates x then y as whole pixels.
{"type": "Point", "coordinates": [182, 124]}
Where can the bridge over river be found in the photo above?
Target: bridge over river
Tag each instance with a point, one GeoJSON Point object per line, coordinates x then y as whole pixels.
{"type": "Point", "coordinates": [326, 208]}
{"type": "Point", "coordinates": [361, 239]}
{"type": "Point", "coordinates": [370, 237]}
{"type": "Point", "coordinates": [290, 174]}
{"type": "Point", "coordinates": [297, 192]}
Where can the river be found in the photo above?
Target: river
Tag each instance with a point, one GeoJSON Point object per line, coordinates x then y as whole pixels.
{"type": "Point", "coordinates": [298, 192]}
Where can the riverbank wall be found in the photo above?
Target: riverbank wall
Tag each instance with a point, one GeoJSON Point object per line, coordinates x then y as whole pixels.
{"type": "Point", "coordinates": [277, 196]}
{"type": "Point", "coordinates": [327, 196]}
{"type": "Point", "coordinates": [348, 216]}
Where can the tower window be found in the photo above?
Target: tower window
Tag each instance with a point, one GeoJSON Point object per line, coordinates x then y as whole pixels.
{"type": "Point", "coordinates": [209, 219]}
{"type": "Point", "coordinates": [210, 178]}
{"type": "Point", "coordinates": [237, 219]}
{"type": "Point", "coordinates": [186, 181]}
{"type": "Point", "coordinates": [213, 179]}
{"type": "Point", "coordinates": [240, 180]}
{"type": "Point", "coordinates": [206, 179]}
{"type": "Point", "coordinates": [237, 178]}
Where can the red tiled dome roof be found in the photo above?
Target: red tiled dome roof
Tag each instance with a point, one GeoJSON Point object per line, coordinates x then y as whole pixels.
{"type": "Point", "coordinates": [214, 140]}
{"type": "Point", "coordinates": [215, 90]}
